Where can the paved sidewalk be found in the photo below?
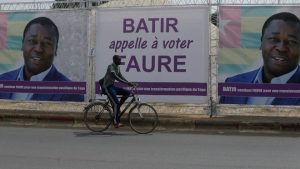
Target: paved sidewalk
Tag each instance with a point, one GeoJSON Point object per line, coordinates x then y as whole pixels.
{"type": "Point", "coordinates": [168, 122]}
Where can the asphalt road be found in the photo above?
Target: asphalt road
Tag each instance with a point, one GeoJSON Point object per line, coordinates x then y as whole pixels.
{"type": "Point", "coordinates": [41, 148]}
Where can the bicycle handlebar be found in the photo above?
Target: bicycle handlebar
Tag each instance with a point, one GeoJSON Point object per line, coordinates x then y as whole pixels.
{"type": "Point", "coordinates": [133, 89]}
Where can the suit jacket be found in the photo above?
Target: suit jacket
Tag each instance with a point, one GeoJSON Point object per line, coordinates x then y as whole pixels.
{"type": "Point", "coordinates": [53, 75]}
{"type": "Point", "coordinates": [249, 77]}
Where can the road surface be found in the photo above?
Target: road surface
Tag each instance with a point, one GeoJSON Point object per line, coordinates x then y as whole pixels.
{"type": "Point", "coordinates": [42, 148]}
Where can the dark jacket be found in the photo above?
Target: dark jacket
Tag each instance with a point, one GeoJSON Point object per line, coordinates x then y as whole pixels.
{"type": "Point", "coordinates": [53, 75]}
{"type": "Point", "coordinates": [249, 77]}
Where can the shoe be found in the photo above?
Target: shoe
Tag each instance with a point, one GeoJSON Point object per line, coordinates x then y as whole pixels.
{"type": "Point", "coordinates": [117, 125]}
{"type": "Point", "coordinates": [121, 125]}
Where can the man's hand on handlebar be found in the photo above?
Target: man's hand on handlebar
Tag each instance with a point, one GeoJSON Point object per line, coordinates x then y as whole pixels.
{"type": "Point", "coordinates": [132, 84]}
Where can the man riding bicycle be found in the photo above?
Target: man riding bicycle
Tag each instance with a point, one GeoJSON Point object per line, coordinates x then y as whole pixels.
{"type": "Point", "coordinates": [113, 73]}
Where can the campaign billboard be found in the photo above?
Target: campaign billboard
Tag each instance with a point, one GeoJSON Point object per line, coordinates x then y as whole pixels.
{"type": "Point", "coordinates": [259, 55]}
{"type": "Point", "coordinates": [164, 50]}
{"type": "Point", "coordinates": [43, 55]}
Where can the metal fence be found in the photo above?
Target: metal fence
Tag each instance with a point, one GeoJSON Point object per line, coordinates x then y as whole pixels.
{"type": "Point", "coordinates": [83, 4]}
{"type": "Point", "coordinates": [213, 50]}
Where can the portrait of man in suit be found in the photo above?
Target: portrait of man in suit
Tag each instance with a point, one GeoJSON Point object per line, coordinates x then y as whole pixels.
{"type": "Point", "coordinates": [39, 46]}
{"type": "Point", "coordinates": [280, 49]}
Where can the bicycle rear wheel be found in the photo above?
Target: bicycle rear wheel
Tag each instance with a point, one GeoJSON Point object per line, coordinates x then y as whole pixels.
{"type": "Point", "coordinates": [97, 117]}
{"type": "Point", "coordinates": [143, 118]}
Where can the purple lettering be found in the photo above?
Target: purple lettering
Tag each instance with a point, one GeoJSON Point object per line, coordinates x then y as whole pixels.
{"type": "Point", "coordinates": [177, 63]}
{"type": "Point", "coordinates": [164, 61]}
{"type": "Point", "coordinates": [153, 20]}
{"type": "Point", "coordinates": [171, 23]}
{"type": "Point", "coordinates": [154, 24]}
{"type": "Point", "coordinates": [162, 25]}
{"type": "Point", "coordinates": [142, 26]}
{"type": "Point", "coordinates": [133, 64]}
{"type": "Point", "coordinates": [122, 57]}
{"type": "Point", "coordinates": [151, 69]}
{"type": "Point", "coordinates": [155, 63]}
{"type": "Point", "coordinates": [128, 25]}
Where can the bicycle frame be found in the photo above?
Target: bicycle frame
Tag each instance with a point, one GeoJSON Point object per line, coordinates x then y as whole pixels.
{"type": "Point", "coordinates": [128, 105]}
{"type": "Point", "coordinates": [135, 100]}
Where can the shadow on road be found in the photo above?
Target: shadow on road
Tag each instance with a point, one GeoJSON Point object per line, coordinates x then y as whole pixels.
{"type": "Point", "coordinates": [105, 133]}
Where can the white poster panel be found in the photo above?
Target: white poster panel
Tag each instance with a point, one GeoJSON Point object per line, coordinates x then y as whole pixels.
{"type": "Point", "coordinates": [164, 50]}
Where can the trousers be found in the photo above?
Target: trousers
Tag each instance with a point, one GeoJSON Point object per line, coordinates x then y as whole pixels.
{"type": "Point", "coordinates": [112, 93]}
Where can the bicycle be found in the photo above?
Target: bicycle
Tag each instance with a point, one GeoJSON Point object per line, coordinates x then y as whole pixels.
{"type": "Point", "coordinates": [142, 117]}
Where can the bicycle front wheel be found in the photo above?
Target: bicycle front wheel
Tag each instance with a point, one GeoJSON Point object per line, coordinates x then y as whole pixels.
{"type": "Point", "coordinates": [97, 117]}
{"type": "Point", "coordinates": [143, 118]}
